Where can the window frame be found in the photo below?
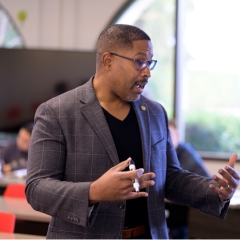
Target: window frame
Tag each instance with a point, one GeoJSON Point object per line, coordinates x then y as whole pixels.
{"type": "Point", "coordinates": [178, 74]}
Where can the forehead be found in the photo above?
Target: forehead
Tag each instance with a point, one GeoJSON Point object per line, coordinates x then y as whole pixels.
{"type": "Point", "coordinates": [142, 48]}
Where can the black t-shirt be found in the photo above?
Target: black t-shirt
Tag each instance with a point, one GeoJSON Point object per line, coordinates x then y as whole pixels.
{"type": "Point", "coordinates": [127, 138]}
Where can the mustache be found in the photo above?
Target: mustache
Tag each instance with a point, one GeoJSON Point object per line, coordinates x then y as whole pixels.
{"type": "Point", "coordinates": [145, 81]}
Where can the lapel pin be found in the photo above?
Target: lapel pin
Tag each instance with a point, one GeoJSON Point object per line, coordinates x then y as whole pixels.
{"type": "Point", "coordinates": [143, 108]}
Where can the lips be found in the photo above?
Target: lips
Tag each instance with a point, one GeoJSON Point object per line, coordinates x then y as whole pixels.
{"type": "Point", "coordinates": [141, 85]}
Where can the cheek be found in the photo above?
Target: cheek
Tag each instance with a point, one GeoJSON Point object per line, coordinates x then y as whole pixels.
{"type": "Point", "coordinates": [122, 79]}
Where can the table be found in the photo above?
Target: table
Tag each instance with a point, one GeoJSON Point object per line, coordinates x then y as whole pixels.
{"type": "Point", "coordinates": [18, 176]}
{"type": "Point", "coordinates": [235, 201]}
{"type": "Point", "coordinates": [20, 236]}
{"type": "Point", "coordinates": [28, 221]}
{"type": "Point", "coordinates": [22, 209]}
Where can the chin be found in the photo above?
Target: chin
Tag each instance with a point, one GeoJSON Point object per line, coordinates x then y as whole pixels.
{"type": "Point", "coordinates": [132, 98]}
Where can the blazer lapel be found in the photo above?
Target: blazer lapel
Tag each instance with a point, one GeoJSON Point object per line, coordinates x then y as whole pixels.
{"type": "Point", "coordinates": [95, 116]}
{"type": "Point", "coordinates": [142, 113]}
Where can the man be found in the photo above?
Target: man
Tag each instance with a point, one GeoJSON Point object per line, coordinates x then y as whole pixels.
{"type": "Point", "coordinates": [83, 141]}
{"type": "Point", "coordinates": [15, 155]}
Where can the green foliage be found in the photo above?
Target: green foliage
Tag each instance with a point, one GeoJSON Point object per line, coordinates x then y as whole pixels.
{"type": "Point", "coordinates": [213, 132]}
{"type": "Point", "coordinates": [159, 23]}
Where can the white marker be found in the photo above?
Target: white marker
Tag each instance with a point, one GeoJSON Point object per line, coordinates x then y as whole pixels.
{"type": "Point", "coordinates": [135, 181]}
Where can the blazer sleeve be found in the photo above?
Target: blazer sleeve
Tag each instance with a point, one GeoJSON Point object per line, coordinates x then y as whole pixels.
{"type": "Point", "coordinates": [46, 189]}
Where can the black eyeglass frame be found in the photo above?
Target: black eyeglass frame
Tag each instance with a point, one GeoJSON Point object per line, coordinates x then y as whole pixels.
{"type": "Point", "coordinates": [149, 62]}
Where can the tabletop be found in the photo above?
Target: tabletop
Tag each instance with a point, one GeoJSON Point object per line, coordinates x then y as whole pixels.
{"type": "Point", "coordinates": [18, 176]}
{"type": "Point", "coordinates": [22, 209]}
{"type": "Point", "coordinates": [4, 235]}
{"type": "Point", "coordinates": [235, 201]}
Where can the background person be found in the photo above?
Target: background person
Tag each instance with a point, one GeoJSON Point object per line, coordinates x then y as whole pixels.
{"type": "Point", "coordinates": [188, 157]}
{"type": "Point", "coordinates": [189, 160]}
{"type": "Point", "coordinates": [82, 141]}
{"type": "Point", "coordinates": [15, 155]}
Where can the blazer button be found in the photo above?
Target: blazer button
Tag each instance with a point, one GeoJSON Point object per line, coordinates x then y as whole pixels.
{"type": "Point", "coordinates": [121, 206]}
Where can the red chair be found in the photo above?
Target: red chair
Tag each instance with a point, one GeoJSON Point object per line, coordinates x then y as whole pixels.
{"type": "Point", "coordinates": [7, 222]}
{"type": "Point", "coordinates": [15, 190]}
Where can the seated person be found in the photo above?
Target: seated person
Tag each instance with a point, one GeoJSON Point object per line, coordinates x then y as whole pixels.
{"type": "Point", "coordinates": [189, 160]}
{"type": "Point", "coordinates": [188, 157]}
{"type": "Point", "coordinates": [15, 155]}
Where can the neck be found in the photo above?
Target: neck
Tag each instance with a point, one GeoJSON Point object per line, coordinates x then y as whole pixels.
{"type": "Point", "coordinates": [113, 104]}
{"type": "Point", "coordinates": [117, 110]}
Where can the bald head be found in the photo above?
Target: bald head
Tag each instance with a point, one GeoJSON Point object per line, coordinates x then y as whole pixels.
{"type": "Point", "coordinates": [119, 36]}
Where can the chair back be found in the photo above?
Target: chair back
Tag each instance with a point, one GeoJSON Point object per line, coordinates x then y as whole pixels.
{"type": "Point", "coordinates": [7, 222]}
{"type": "Point", "coordinates": [15, 190]}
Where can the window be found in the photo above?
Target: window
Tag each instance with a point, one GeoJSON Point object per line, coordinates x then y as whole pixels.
{"type": "Point", "coordinates": [211, 80]}
{"type": "Point", "coordinates": [207, 102]}
{"type": "Point", "coordinates": [9, 35]}
{"type": "Point", "coordinates": [157, 18]}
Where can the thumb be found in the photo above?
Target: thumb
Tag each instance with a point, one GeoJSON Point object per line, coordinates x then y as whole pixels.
{"type": "Point", "coordinates": [122, 165]}
{"type": "Point", "coordinates": [233, 160]}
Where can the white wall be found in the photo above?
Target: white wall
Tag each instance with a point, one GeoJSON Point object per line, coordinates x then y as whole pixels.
{"type": "Point", "coordinates": [63, 24]}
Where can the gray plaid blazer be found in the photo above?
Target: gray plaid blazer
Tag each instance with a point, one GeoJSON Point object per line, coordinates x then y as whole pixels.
{"type": "Point", "coordinates": [71, 146]}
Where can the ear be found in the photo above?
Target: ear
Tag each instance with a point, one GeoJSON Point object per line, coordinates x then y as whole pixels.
{"type": "Point", "coordinates": [107, 60]}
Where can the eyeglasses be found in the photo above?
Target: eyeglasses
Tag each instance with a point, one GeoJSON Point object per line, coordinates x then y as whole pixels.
{"type": "Point", "coordinates": [141, 64]}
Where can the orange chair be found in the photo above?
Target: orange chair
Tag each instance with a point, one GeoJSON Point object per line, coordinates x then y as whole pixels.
{"type": "Point", "coordinates": [7, 222]}
{"type": "Point", "coordinates": [15, 190]}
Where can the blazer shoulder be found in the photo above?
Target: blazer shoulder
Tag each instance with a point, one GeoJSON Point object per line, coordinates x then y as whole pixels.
{"type": "Point", "coordinates": [71, 99]}
{"type": "Point", "coordinates": [82, 92]}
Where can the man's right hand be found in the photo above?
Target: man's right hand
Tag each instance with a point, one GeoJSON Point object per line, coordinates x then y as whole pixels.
{"type": "Point", "coordinates": [6, 168]}
{"type": "Point", "coordinates": [116, 184]}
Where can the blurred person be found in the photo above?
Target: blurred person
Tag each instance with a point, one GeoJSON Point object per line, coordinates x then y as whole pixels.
{"type": "Point", "coordinates": [189, 160]}
{"type": "Point", "coordinates": [15, 155]}
{"type": "Point", "coordinates": [60, 88]}
{"type": "Point", "coordinates": [188, 157]}
{"type": "Point", "coordinates": [84, 140]}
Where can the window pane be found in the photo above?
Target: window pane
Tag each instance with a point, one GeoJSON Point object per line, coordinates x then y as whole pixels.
{"type": "Point", "coordinates": [211, 82]}
{"type": "Point", "coordinates": [9, 36]}
{"type": "Point", "coordinates": [157, 19]}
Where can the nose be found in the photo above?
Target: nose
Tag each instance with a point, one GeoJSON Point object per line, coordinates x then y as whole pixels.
{"type": "Point", "coordinates": [146, 72]}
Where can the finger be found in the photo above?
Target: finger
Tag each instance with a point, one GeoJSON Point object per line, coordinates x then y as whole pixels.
{"type": "Point", "coordinates": [223, 193]}
{"type": "Point", "coordinates": [233, 160]}
{"type": "Point", "coordinates": [122, 165]}
{"type": "Point", "coordinates": [228, 178]}
{"type": "Point", "coordinates": [134, 195]}
{"type": "Point", "coordinates": [146, 184]}
{"type": "Point", "coordinates": [132, 174]}
{"type": "Point", "coordinates": [232, 172]}
{"type": "Point", "coordinates": [222, 182]}
{"type": "Point", "coordinates": [147, 176]}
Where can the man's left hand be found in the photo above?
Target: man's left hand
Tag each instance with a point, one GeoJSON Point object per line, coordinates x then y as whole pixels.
{"type": "Point", "coordinates": [229, 181]}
